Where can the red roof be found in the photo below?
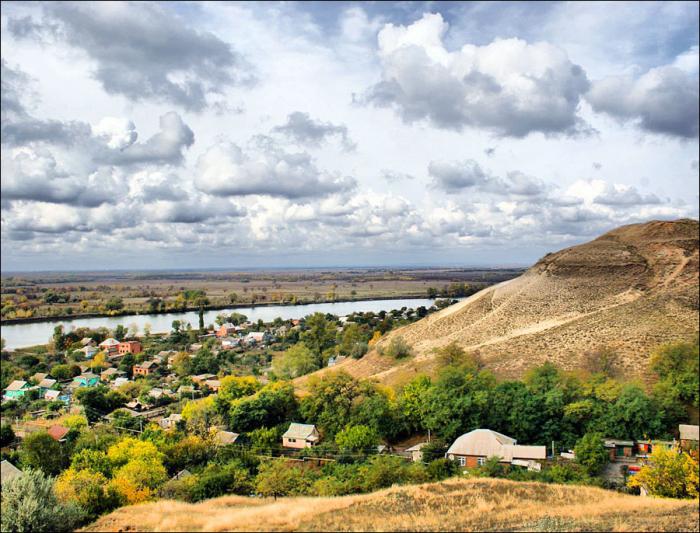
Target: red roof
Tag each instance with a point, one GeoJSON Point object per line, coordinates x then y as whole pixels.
{"type": "Point", "coordinates": [58, 432]}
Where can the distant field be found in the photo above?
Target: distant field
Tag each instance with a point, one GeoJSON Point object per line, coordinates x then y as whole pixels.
{"type": "Point", "coordinates": [453, 505]}
{"type": "Point", "coordinates": [36, 294]}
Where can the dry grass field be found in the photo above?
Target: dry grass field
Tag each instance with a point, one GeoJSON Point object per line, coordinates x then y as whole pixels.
{"type": "Point", "coordinates": [631, 290]}
{"type": "Point", "coordinates": [453, 505]}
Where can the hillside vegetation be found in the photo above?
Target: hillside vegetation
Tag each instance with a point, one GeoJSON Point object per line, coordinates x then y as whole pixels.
{"type": "Point", "coordinates": [629, 290]}
{"type": "Point", "coordinates": [453, 505]}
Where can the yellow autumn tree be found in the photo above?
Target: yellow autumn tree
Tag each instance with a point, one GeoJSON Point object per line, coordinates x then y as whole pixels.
{"type": "Point", "coordinates": [669, 473]}
{"type": "Point", "coordinates": [87, 488]}
{"type": "Point", "coordinates": [138, 480]}
{"type": "Point", "coordinates": [130, 449]}
{"type": "Point", "coordinates": [375, 339]}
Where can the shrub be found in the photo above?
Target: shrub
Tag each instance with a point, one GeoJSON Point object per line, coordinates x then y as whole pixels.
{"type": "Point", "coordinates": [398, 348]}
{"type": "Point", "coordinates": [29, 504]}
{"type": "Point", "coordinates": [357, 438]}
{"type": "Point", "coordinates": [669, 474]}
{"type": "Point", "coordinates": [590, 453]}
{"type": "Point", "coordinates": [216, 481]}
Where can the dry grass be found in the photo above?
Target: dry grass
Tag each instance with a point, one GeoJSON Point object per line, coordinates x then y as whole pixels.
{"type": "Point", "coordinates": [632, 289]}
{"type": "Point", "coordinates": [453, 505]}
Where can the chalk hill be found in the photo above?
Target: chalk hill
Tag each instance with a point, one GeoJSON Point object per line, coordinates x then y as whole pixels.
{"type": "Point", "coordinates": [453, 505]}
{"type": "Point", "coordinates": [630, 289]}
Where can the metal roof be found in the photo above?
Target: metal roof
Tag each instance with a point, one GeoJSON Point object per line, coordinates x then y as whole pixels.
{"type": "Point", "coordinates": [689, 432]}
{"type": "Point", "coordinates": [300, 431]}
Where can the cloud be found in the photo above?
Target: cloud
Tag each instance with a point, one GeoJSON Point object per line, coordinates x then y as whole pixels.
{"type": "Point", "coordinates": [304, 130]}
{"type": "Point", "coordinates": [619, 195]}
{"type": "Point", "coordinates": [392, 176]}
{"type": "Point", "coordinates": [456, 176]}
{"type": "Point", "coordinates": [143, 51]}
{"type": "Point", "coordinates": [663, 100]}
{"type": "Point", "coordinates": [225, 170]}
{"type": "Point", "coordinates": [509, 87]}
{"type": "Point", "coordinates": [166, 146]}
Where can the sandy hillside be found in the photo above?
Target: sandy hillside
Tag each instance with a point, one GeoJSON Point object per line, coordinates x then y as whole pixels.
{"type": "Point", "coordinates": [631, 289]}
{"type": "Point", "coordinates": [453, 505]}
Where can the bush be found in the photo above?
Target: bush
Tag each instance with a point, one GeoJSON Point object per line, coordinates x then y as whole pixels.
{"type": "Point", "coordinates": [216, 481]}
{"type": "Point", "coordinates": [669, 474]}
{"type": "Point", "coordinates": [29, 504]}
{"type": "Point", "coordinates": [442, 469]}
{"type": "Point", "coordinates": [591, 454]}
{"type": "Point", "coordinates": [398, 348]}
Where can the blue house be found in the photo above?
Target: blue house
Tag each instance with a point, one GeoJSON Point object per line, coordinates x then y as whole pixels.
{"type": "Point", "coordinates": [87, 380]}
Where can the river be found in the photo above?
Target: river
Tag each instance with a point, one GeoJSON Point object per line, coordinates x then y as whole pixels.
{"type": "Point", "coordinates": [33, 333]}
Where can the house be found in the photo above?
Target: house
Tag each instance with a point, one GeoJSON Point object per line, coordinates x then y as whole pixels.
{"type": "Point", "coordinates": [256, 337]}
{"type": "Point", "coordinates": [156, 393]}
{"type": "Point", "coordinates": [8, 471]}
{"type": "Point", "coordinates": [689, 437]}
{"type": "Point", "coordinates": [88, 351]}
{"type": "Point", "coordinates": [45, 384]}
{"type": "Point", "coordinates": [16, 390]}
{"type": "Point", "coordinates": [88, 379]}
{"type": "Point", "coordinates": [182, 474]}
{"type": "Point", "coordinates": [474, 448]}
{"type": "Point", "coordinates": [110, 345]}
{"type": "Point", "coordinates": [415, 452]}
{"type": "Point", "coordinates": [300, 436]}
{"type": "Point", "coordinates": [145, 369]}
{"type": "Point", "coordinates": [126, 347]}
{"type": "Point", "coordinates": [170, 422]}
{"type": "Point", "coordinates": [136, 405]}
{"type": "Point", "coordinates": [619, 450]}
{"type": "Point", "coordinates": [230, 342]}
{"type": "Point", "coordinates": [87, 341]}
{"type": "Point", "coordinates": [226, 330]}
{"type": "Point", "coordinates": [119, 382]}
{"type": "Point", "coordinates": [213, 384]}
{"type": "Point", "coordinates": [58, 433]}
{"type": "Point", "coordinates": [332, 361]}
{"type": "Point", "coordinates": [196, 347]}
{"type": "Point", "coordinates": [111, 373]}
{"type": "Point", "coordinates": [36, 378]}
{"type": "Point", "coordinates": [201, 378]}
{"type": "Point", "coordinates": [224, 438]}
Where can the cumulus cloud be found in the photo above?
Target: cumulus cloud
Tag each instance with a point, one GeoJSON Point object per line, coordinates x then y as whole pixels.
{"type": "Point", "coordinates": [304, 130]}
{"type": "Point", "coordinates": [663, 100]}
{"type": "Point", "coordinates": [117, 133]}
{"type": "Point", "coordinates": [456, 176]}
{"type": "Point", "coordinates": [620, 195]}
{"type": "Point", "coordinates": [392, 176]}
{"type": "Point", "coordinates": [142, 51]}
{"type": "Point", "coordinates": [226, 170]}
{"type": "Point", "coordinates": [509, 86]}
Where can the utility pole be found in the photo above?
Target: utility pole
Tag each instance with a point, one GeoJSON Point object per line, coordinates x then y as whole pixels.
{"type": "Point", "coordinates": [552, 449]}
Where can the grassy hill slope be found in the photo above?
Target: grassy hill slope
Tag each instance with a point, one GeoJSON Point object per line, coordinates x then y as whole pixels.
{"type": "Point", "coordinates": [631, 289]}
{"type": "Point", "coordinates": [453, 505]}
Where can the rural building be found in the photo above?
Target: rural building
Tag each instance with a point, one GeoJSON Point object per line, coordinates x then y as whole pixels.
{"type": "Point", "coordinates": [8, 471]}
{"type": "Point", "coordinates": [213, 384]}
{"type": "Point", "coordinates": [230, 342]}
{"type": "Point", "coordinates": [224, 438]}
{"type": "Point", "coordinates": [87, 341]}
{"type": "Point", "coordinates": [619, 450]}
{"type": "Point", "coordinates": [119, 382]}
{"type": "Point", "coordinates": [36, 378]}
{"type": "Point", "coordinates": [16, 390]}
{"type": "Point", "coordinates": [87, 379]}
{"type": "Point", "coordinates": [88, 351]}
{"type": "Point", "coordinates": [145, 369]}
{"type": "Point", "coordinates": [110, 345]}
{"type": "Point", "coordinates": [415, 452]}
{"type": "Point", "coordinates": [226, 330]}
{"type": "Point", "coordinates": [201, 378]}
{"type": "Point", "coordinates": [300, 436]}
{"type": "Point", "coordinates": [45, 384]}
{"type": "Point", "coordinates": [170, 422]}
{"type": "Point", "coordinates": [111, 373]}
{"type": "Point", "coordinates": [58, 433]}
{"type": "Point", "coordinates": [474, 448]}
{"type": "Point", "coordinates": [126, 347]}
{"type": "Point", "coordinates": [689, 437]}
{"type": "Point", "coordinates": [182, 474]}
{"type": "Point", "coordinates": [256, 337]}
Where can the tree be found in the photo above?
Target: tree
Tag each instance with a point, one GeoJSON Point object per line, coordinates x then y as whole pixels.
{"type": "Point", "coordinates": [353, 340]}
{"type": "Point", "coordinates": [182, 364]}
{"type": "Point", "coordinates": [131, 449]}
{"type": "Point", "coordinates": [201, 318]}
{"type": "Point", "coordinates": [120, 332]}
{"type": "Point", "coordinates": [274, 404]}
{"type": "Point", "coordinates": [138, 479]}
{"type": "Point", "coordinates": [233, 297]}
{"type": "Point", "coordinates": [64, 371]}
{"type": "Point", "coordinates": [99, 401]}
{"type": "Point", "coordinates": [669, 474]}
{"type": "Point", "coordinates": [358, 438]}
{"type": "Point", "coordinates": [234, 387]}
{"type": "Point", "coordinates": [275, 478]}
{"type": "Point", "coordinates": [39, 450]}
{"type": "Point", "coordinates": [200, 414]}
{"type": "Point", "coordinates": [95, 460]}
{"type": "Point", "coordinates": [115, 303]}
{"type": "Point", "coordinates": [29, 504]}
{"type": "Point", "coordinates": [412, 402]}
{"type": "Point", "coordinates": [176, 325]}
{"type": "Point", "coordinates": [264, 440]}
{"type": "Point", "coordinates": [7, 436]}
{"type": "Point", "coordinates": [591, 454]}
{"type": "Point", "coordinates": [99, 361]}
{"type": "Point", "coordinates": [88, 489]}
{"type": "Point", "coordinates": [296, 361]}
{"type": "Point", "coordinates": [58, 338]}
{"type": "Point", "coordinates": [319, 336]}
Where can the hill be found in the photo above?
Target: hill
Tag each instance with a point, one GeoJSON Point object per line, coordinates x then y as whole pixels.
{"type": "Point", "coordinates": [453, 505]}
{"type": "Point", "coordinates": [630, 289]}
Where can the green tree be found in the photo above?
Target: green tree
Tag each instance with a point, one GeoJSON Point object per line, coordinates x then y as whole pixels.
{"type": "Point", "coordinates": [58, 338]}
{"type": "Point", "coordinates": [276, 478]}
{"type": "Point", "coordinates": [318, 336]}
{"type": "Point", "coordinates": [7, 436]}
{"type": "Point", "coordinates": [120, 332]}
{"type": "Point", "coordinates": [99, 401]}
{"type": "Point", "coordinates": [273, 404]}
{"type": "Point", "coordinates": [296, 361]}
{"type": "Point", "coordinates": [29, 504]}
{"type": "Point", "coordinates": [591, 454]}
{"type": "Point", "coordinates": [398, 348]}
{"type": "Point", "coordinates": [39, 450]}
{"type": "Point", "coordinates": [358, 438]}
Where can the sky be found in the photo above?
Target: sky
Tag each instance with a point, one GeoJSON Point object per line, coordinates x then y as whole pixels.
{"type": "Point", "coordinates": [238, 135]}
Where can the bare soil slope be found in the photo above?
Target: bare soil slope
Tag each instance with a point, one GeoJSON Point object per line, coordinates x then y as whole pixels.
{"type": "Point", "coordinates": [453, 505]}
{"type": "Point", "coordinates": [631, 289]}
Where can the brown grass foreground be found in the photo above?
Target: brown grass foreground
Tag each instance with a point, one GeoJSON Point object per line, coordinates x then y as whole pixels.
{"type": "Point", "coordinates": [453, 505]}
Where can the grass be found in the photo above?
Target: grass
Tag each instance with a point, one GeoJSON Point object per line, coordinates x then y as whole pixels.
{"type": "Point", "coordinates": [453, 505]}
